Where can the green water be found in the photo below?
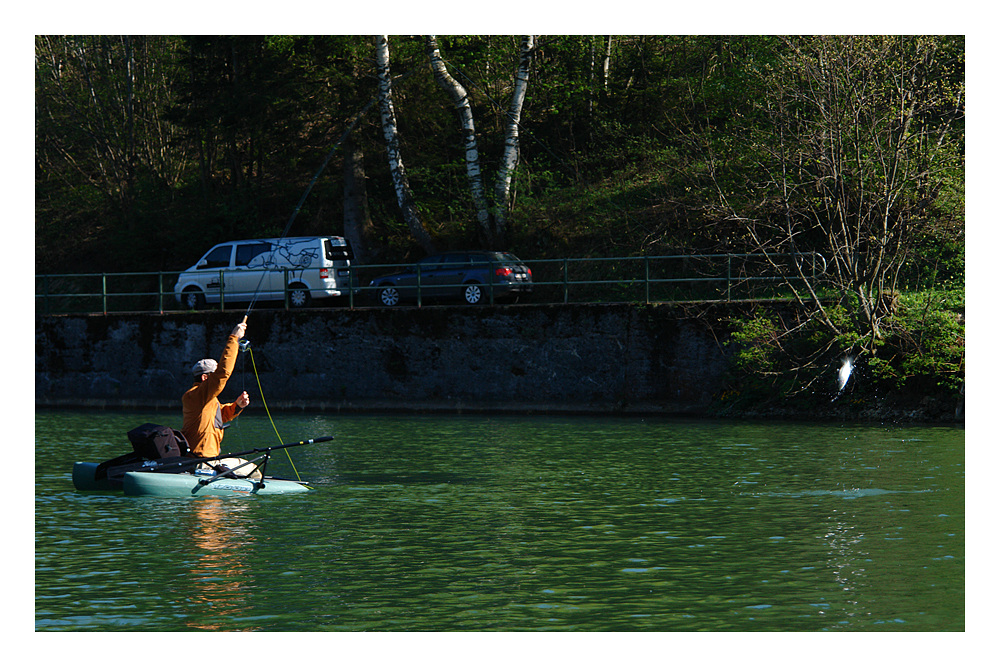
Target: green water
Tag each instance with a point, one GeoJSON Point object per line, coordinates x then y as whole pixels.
{"type": "Point", "coordinates": [451, 523]}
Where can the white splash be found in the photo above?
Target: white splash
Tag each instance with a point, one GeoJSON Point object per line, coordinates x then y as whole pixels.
{"type": "Point", "coordinates": [844, 374]}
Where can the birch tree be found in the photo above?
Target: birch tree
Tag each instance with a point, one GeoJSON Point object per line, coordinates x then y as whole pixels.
{"type": "Point", "coordinates": [460, 98]}
{"type": "Point", "coordinates": [511, 151]}
{"type": "Point", "coordinates": [493, 219]}
{"type": "Point", "coordinates": [404, 196]}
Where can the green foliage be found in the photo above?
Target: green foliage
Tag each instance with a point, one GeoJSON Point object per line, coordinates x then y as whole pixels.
{"type": "Point", "coordinates": [666, 154]}
{"type": "Point", "coordinates": [922, 352]}
{"type": "Point", "coordinates": [926, 344]}
{"type": "Point", "coordinates": [151, 149]}
{"type": "Point", "coordinates": [755, 342]}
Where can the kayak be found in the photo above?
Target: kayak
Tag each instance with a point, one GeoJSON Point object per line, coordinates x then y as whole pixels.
{"type": "Point", "coordinates": [85, 478]}
{"type": "Point", "coordinates": [187, 485]}
{"type": "Point", "coordinates": [180, 476]}
{"type": "Point", "coordinates": [181, 484]}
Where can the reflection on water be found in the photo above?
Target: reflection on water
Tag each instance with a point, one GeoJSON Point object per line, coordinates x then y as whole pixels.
{"type": "Point", "coordinates": [220, 575]}
{"type": "Point", "coordinates": [476, 523]}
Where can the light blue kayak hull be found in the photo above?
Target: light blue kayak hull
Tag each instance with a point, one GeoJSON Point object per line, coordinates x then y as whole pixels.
{"type": "Point", "coordinates": [84, 478]}
{"type": "Point", "coordinates": [186, 485]}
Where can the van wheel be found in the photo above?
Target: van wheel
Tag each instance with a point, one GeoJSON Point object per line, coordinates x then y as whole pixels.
{"type": "Point", "coordinates": [388, 296]}
{"type": "Point", "coordinates": [298, 296]}
{"type": "Point", "coordinates": [193, 299]}
{"type": "Point", "coordinates": [473, 294]}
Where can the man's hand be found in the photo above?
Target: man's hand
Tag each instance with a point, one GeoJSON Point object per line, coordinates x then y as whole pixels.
{"type": "Point", "coordinates": [243, 400]}
{"type": "Point", "coordinates": [239, 330]}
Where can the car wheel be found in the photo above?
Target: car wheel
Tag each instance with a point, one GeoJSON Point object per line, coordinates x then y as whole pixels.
{"type": "Point", "coordinates": [298, 296]}
{"type": "Point", "coordinates": [389, 296]}
{"type": "Point", "coordinates": [473, 294]}
{"type": "Point", "coordinates": [193, 299]}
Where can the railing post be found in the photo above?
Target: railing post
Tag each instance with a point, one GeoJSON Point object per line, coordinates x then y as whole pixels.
{"type": "Point", "coordinates": [350, 287]}
{"type": "Point", "coordinates": [565, 280]}
{"type": "Point", "coordinates": [104, 292]}
{"type": "Point", "coordinates": [284, 286]}
{"type": "Point", "coordinates": [729, 277]}
{"type": "Point", "coordinates": [645, 261]}
{"type": "Point", "coordinates": [419, 290]}
{"type": "Point", "coordinates": [490, 280]}
{"type": "Point", "coordinates": [222, 292]}
{"type": "Point", "coordinates": [159, 289]}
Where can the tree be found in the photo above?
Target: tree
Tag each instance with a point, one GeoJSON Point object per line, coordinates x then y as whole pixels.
{"type": "Point", "coordinates": [460, 98]}
{"type": "Point", "coordinates": [357, 219]}
{"type": "Point", "coordinates": [404, 196]}
{"type": "Point", "coordinates": [493, 227]}
{"type": "Point", "coordinates": [104, 151]}
{"type": "Point", "coordinates": [859, 136]}
{"type": "Point", "coordinates": [92, 83]}
{"type": "Point", "coordinates": [508, 161]}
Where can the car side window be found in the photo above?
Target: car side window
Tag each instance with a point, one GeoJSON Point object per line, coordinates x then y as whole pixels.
{"type": "Point", "coordinates": [455, 262]}
{"type": "Point", "coordinates": [430, 263]}
{"type": "Point", "coordinates": [246, 252]}
{"type": "Point", "coordinates": [219, 257]}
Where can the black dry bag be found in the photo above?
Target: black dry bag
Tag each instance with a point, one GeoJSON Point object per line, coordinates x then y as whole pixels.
{"type": "Point", "coordinates": [153, 441]}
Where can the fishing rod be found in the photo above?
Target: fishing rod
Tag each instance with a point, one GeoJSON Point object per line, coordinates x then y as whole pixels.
{"type": "Point", "coordinates": [302, 199]}
{"type": "Point", "coordinates": [177, 466]}
{"type": "Point", "coordinates": [226, 471]}
{"type": "Point", "coordinates": [245, 344]}
{"type": "Point", "coordinates": [343, 137]}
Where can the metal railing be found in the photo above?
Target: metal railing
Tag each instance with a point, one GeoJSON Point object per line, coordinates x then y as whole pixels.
{"type": "Point", "coordinates": [644, 279]}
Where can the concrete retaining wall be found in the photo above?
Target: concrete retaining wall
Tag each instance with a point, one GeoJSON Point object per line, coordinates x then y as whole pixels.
{"type": "Point", "coordinates": [528, 358]}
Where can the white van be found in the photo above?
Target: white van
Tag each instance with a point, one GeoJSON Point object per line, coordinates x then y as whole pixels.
{"type": "Point", "coordinates": [304, 268]}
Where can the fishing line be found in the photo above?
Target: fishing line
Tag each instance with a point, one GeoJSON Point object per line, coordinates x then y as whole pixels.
{"type": "Point", "coordinates": [302, 199]}
{"type": "Point", "coordinates": [246, 347]}
{"type": "Point", "coordinates": [245, 344]}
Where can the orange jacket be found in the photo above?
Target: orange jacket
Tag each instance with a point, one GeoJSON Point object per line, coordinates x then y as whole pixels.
{"type": "Point", "coordinates": [203, 414]}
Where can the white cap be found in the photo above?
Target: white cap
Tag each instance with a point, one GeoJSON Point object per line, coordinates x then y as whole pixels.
{"type": "Point", "coordinates": [204, 366]}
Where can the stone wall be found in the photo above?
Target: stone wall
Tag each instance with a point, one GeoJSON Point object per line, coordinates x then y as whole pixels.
{"type": "Point", "coordinates": [608, 358]}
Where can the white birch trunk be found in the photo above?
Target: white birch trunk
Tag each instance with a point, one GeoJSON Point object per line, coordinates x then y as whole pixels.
{"type": "Point", "coordinates": [607, 62]}
{"type": "Point", "coordinates": [510, 153]}
{"type": "Point", "coordinates": [460, 98]}
{"type": "Point", "coordinates": [403, 195]}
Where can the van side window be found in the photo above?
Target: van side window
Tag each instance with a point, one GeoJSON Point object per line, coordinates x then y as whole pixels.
{"type": "Point", "coordinates": [247, 251]}
{"type": "Point", "coordinates": [219, 258]}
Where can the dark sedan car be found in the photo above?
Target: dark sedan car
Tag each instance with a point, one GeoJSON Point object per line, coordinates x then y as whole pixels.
{"type": "Point", "coordinates": [469, 276]}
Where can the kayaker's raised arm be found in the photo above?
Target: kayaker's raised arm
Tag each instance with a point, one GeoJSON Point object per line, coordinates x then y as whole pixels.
{"type": "Point", "coordinates": [203, 413]}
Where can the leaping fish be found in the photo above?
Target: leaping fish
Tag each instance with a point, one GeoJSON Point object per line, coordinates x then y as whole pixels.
{"type": "Point", "coordinates": [843, 375]}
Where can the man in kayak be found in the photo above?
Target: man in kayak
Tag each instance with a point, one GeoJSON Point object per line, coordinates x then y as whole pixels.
{"type": "Point", "coordinates": [204, 415]}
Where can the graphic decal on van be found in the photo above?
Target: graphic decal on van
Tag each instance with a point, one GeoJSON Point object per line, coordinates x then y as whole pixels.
{"type": "Point", "coordinates": [297, 256]}
{"type": "Point", "coordinates": [300, 256]}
